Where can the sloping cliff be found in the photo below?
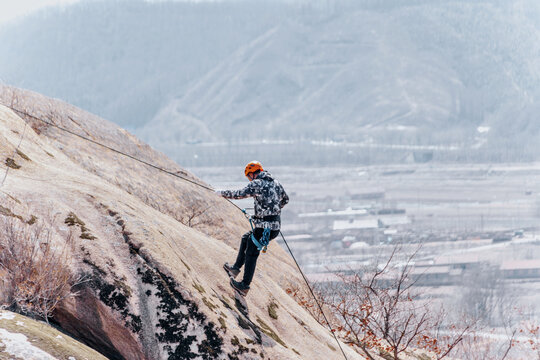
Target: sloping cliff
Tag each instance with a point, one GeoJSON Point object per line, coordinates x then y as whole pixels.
{"type": "Point", "coordinates": [149, 246]}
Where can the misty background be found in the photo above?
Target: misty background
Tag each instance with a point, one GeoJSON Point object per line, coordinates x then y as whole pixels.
{"type": "Point", "coordinates": [412, 121]}
{"type": "Point", "coordinates": [319, 81]}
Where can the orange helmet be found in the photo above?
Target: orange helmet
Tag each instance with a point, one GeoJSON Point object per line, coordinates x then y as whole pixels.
{"type": "Point", "coordinates": [252, 167]}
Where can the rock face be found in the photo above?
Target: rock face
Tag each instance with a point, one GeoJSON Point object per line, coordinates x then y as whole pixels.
{"type": "Point", "coordinates": [150, 245]}
{"type": "Point", "coordinates": [21, 337]}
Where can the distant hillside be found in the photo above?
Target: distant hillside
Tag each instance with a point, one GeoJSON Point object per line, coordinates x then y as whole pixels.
{"type": "Point", "coordinates": [424, 74]}
{"type": "Point", "coordinates": [448, 73]}
{"type": "Point", "coordinates": [123, 59]}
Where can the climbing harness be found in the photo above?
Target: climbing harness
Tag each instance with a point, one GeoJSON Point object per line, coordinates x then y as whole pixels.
{"type": "Point", "coordinates": [262, 244]}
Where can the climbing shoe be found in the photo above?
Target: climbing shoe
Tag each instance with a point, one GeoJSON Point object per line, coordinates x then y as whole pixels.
{"type": "Point", "coordinates": [231, 270]}
{"type": "Point", "coordinates": [240, 287]}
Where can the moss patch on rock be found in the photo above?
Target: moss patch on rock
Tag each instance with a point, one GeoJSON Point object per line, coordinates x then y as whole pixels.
{"type": "Point", "coordinates": [22, 155]}
{"type": "Point", "coordinates": [209, 304]}
{"type": "Point", "coordinates": [222, 323]}
{"type": "Point", "coordinates": [32, 220]}
{"type": "Point", "coordinates": [198, 287]}
{"type": "Point", "coordinates": [240, 349]}
{"type": "Point", "coordinates": [87, 236]}
{"type": "Point", "coordinates": [73, 220]}
{"type": "Point", "coordinates": [186, 265]}
{"type": "Point", "coordinates": [12, 164]}
{"type": "Point", "coordinates": [272, 310]}
{"type": "Point", "coordinates": [271, 333]}
{"type": "Point", "coordinates": [7, 212]}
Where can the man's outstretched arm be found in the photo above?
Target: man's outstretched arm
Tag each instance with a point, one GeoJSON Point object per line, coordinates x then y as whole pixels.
{"type": "Point", "coordinates": [248, 191]}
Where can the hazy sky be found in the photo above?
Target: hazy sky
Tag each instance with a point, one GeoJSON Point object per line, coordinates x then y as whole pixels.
{"type": "Point", "coordinates": [10, 9]}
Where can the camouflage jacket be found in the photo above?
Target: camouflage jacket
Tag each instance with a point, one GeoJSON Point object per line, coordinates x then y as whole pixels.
{"type": "Point", "coordinates": [269, 197]}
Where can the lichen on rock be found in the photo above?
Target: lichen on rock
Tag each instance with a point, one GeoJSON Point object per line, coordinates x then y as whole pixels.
{"type": "Point", "coordinates": [178, 319]}
{"type": "Point", "coordinates": [116, 296]}
{"type": "Point", "coordinates": [12, 164]}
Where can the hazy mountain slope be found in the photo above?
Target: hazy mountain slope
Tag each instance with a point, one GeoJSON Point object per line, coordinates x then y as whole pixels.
{"type": "Point", "coordinates": [376, 72]}
{"type": "Point", "coordinates": [431, 72]}
{"type": "Point", "coordinates": [155, 288]}
{"type": "Point", "coordinates": [315, 80]}
{"type": "Point", "coordinates": [123, 59]}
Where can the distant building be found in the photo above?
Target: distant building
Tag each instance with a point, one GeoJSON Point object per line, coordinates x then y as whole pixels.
{"type": "Point", "coordinates": [355, 224]}
{"type": "Point", "coordinates": [461, 261]}
{"type": "Point", "coordinates": [514, 269]}
{"type": "Point", "coordinates": [386, 221]}
{"type": "Point", "coordinates": [435, 275]}
{"type": "Point", "coordinates": [375, 195]}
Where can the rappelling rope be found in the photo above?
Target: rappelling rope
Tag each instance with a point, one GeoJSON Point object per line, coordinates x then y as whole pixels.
{"type": "Point", "coordinates": [110, 148]}
{"type": "Point", "coordinates": [182, 178]}
{"type": "Point", "coordinates": [313, 294]}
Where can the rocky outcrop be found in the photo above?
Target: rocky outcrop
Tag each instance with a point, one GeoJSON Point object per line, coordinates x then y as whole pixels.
{"type": "Point", "coordinates": [24, 338]}
{"type": "Point", "coordinates": [148, 245]}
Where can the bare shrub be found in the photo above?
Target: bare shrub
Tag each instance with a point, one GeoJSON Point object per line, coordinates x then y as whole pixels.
{"type": "Point", "coordinates": [36, 274]}
{"type": "Point", "coordinates": [483, 345]}
{"type": "Point", "coordinates": [518, 338]}
{"type": "Point", "coordinates": [530, 340]}
{"type": "Point", "coordinates": [381, 312]}
{"type": "Point", "coordinates": [304, 298]}
{"type": "Point", "coordinates": [15, 99]}
{"type": "Point", "coordinates": [194, 214]}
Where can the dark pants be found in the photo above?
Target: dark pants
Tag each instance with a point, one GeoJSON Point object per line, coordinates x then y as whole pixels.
{"type": "Point", "coordinates": [249, 253]}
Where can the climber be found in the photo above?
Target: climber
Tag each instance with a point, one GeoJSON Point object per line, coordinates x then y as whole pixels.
{"type": "Point", "coordinates": [269, 197]}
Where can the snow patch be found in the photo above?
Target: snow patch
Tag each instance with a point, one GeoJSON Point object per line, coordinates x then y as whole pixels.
{"type": "Point", "coordinates": [19, 323]}
{"type": "Point", "coordinates": [6, 316]}
{"type": "Point", "coordinates": [359, 245]}
{"type": "Point", "coordinates": [483, 129]}
{"type": "Point", "coordinates": [18, 346]}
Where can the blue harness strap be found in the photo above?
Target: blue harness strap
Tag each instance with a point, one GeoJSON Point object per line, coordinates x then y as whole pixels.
{"type": "Point", "coordinates": [262, 245]}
